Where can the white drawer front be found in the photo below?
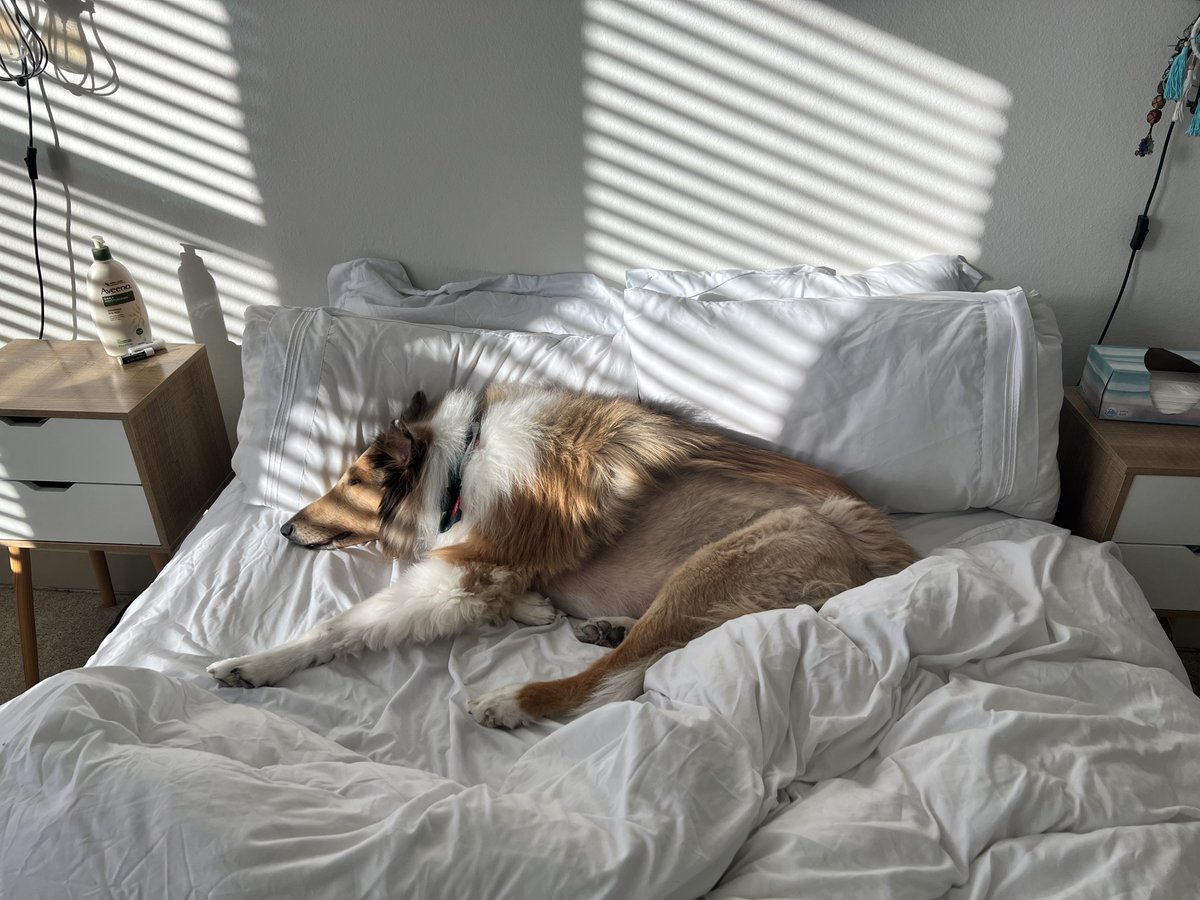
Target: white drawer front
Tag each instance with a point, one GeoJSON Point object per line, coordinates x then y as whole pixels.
{"type": "Point", "coordinates": [1160, 509]}
{"type": "Point", "coordinates": [95, 451]}
{"type": "Point", "coordinates": [1168, 576]}
{"type": "Point", "coordinates": [81, 513]}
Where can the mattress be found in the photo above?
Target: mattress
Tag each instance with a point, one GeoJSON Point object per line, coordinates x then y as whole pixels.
{"type": "Point", "coordinates": [1003, 719]}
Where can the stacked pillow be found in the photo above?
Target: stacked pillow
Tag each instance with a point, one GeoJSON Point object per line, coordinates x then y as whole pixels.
{"type": "Point", "coordinates": [930, 273]}
{"type": "Point", "coordinates": [567, 303]}
{"type": "Point", "coordinates": [923, 394]}
{"type": "Point", "coordinates": [925, 402]}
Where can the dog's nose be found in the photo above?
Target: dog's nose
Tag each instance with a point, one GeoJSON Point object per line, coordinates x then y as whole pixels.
{"type": "Point", "coordinates": [287, 529]}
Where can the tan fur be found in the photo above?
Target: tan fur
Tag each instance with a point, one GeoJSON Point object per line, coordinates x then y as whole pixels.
{"type": "Point", "coordinates": [348, 514]}
{"type": "Point", "coordinates": [635, 512]}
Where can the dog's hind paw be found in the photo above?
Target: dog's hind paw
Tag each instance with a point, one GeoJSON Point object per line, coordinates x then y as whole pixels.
{"type": "Point", "coordinates": [499, 709]}
{"type": "Point", "coordinates": [241, 672]}
{"type": "Point", "coordinates": [606, 632]}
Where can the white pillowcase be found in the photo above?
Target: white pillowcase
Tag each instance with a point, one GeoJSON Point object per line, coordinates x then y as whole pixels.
{"type": "Point", "coordinates": [930, 273]}
{"type": "Point", "coordinates": [321, 383]}
{"type": "Point", "coordinates": [1049, 404]}
{"type": "Point", "coordinates": [735, 284]}
{"type": "Point", "coordinates": [566, 303]}
{"type": "Point", "coordinates": [922, 403]}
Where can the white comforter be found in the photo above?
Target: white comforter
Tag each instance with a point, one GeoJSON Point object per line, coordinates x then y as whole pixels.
{"type": "Point", "coordinates": [1004, 719]}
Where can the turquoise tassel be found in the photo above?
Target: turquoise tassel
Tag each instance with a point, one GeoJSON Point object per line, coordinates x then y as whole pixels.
{"type": "Point", "coordinates": [1176, 75]}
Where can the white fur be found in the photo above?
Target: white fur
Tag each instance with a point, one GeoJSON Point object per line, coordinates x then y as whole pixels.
{"type": "Point", "coordinates": [427, 602]}
{"type": "Point", "coordinates": [499, 708]}
{"type": "Point", "coordinates": [451, 424]}
{"type": "Point", "coordinates": [507, 455]}
{"type": "Point", "coordinates": [531, 608]}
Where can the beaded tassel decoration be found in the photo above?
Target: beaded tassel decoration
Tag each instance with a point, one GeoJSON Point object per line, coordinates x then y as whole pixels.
{"type": "Point", "coordinates": [1169, 87]}
{"type": "Point", "coordinates": [1176, 72]}
{"type": "Point", "coordinates": [1187, 81]}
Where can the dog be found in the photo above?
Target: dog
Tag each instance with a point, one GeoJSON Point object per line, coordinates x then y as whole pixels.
{"type": "Point", "coordinates": [640, 520]}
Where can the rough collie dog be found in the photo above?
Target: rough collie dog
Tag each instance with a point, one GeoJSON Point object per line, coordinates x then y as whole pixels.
{"type": "Point", "coordinates": [644, 524]}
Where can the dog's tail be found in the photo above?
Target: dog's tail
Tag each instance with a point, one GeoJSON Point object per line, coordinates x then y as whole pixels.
{"type": "Point", "coordinates": [871, 534]}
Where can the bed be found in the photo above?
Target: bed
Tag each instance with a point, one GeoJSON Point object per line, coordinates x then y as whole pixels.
{"type": "Point", "coordinates": [1003, 719]}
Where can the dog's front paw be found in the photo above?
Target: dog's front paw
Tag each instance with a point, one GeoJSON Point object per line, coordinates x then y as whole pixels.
{"type": "Point", "coordinates": [241, 672]}
{"type": "Point", "coordinates": [499, 709]}
{"type": "Point", "coordinates": [531, 608]}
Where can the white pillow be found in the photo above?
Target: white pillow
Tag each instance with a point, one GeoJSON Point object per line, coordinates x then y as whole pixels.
{"type": "Point", "coordinates": [1049, 403]}
{"type": "Point", "coordinates": [922, 403]}
{"type": "Point", "coordinates": [735, 284]}
{"type": "Point", "coordinates": [321, 383]}
{"type": "Point", "coordinates": [930, 273]}
{"type": "Point", "coordinates": [565, 303]}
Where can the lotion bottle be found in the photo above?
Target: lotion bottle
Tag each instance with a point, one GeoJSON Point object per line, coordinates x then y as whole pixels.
{"type": "Point", "coordinates": [116, 300]}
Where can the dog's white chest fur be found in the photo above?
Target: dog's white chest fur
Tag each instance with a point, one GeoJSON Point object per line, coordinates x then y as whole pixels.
{"type": "Point", "coordinates": [507, 455]}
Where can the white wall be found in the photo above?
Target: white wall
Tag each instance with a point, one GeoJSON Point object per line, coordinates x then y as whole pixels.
{"type": "Point", "coordinates": [465, 137]}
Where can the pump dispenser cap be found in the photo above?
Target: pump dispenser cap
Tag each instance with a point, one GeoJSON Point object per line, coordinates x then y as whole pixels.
{"type": "Point", "coordinates": [99, 250]}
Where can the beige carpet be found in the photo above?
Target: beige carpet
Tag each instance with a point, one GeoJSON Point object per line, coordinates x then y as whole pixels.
{"type": "Point", "coordinates": [70, 625]}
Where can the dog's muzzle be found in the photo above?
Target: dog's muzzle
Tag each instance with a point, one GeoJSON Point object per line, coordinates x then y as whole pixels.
{"type": "Point", "coordinates": [288, 530]}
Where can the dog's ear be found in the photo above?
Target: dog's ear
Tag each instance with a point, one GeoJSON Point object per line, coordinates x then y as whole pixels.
{"type": "Point", "coordinates": [398, 455]}
{"type": "Point", "coordinates": [396, 447]}
{"type": "Point", "coordinates": [415, 409]}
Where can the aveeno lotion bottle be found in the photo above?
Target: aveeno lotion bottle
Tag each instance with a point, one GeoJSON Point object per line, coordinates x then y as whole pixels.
{"type": "Point", "coordinates": [117, 306]}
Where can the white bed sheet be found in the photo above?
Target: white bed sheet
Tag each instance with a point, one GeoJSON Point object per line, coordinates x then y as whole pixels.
{"type": "Point", "coordinates": [1003, 719]}
{"type": "Point", "coordinates": [237, 586]}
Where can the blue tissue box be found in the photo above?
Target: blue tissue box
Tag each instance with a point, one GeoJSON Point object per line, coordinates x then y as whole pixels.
{"type": "Point", "coordinates": [1143, 384]}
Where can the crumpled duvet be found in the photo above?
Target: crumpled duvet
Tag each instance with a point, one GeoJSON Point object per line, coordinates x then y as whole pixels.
{"type": "Point", "coordinates": [1003, 719]}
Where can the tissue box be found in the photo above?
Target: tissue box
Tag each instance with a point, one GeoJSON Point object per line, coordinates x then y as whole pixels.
{"type": "Point", "coordinates": [1143, 384]}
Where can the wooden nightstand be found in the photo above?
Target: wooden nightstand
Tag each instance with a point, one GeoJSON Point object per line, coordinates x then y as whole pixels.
{"type": "Point", "coordinates": [98, 456]}
{"type": "Point", "coordinates": [1139, 485]}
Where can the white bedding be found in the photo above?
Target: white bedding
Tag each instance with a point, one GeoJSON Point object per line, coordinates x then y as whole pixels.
{"type": "Point", "coordinates": [1003, 719]}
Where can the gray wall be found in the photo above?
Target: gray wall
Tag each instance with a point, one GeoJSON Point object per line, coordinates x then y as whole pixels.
{"type": "Point", "coordinates": [466, 137]}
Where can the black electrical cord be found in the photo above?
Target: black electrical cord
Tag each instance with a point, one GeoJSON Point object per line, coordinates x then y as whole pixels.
{"type": "Point", "coordinates": [31, 167]}
{"type": "Point", "coordinates": [1140, 230]}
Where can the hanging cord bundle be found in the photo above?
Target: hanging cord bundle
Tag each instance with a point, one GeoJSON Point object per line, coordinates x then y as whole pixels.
{"type": "Point", "coordinates": [1179, 78]}
{"type": "Point", "coordinates": [22, 51]}
{"type": "Point", "coordinates": [1182, 77]}
{"type": "Point", "coordinates": [23, 57]}
{"type": "Point", "coordinates": [1166, 85]}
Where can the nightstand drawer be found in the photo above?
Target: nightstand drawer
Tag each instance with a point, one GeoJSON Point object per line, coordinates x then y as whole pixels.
{"type": "Point", "coordinates": [80, 450]}
{"type": "Point", "coordinates": [1168, 576]}
{"type": "Point", "coordinates": [1160, 509]}
{"type": "Point", "coordinates": [76, 513]}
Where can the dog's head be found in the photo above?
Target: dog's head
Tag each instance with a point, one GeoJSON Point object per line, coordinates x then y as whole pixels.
{"type": "Point", "coordinates": [375, 497]}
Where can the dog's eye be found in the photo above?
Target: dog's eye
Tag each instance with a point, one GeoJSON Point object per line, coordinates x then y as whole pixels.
{"type": "Point", "coordinates": [352, 482]}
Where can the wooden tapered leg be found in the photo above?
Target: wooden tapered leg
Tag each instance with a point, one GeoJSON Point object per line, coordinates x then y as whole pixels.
{"type": "Point", "coordinates": [103, 578]}
{"type": "Point", "coordinates": [22, 574]}
{"type": "Point", "coordinates": [160, 560]}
